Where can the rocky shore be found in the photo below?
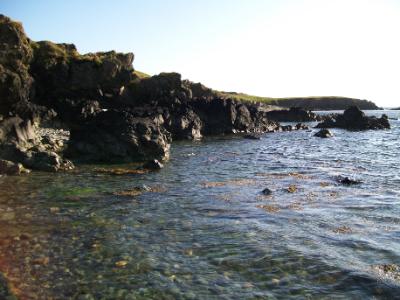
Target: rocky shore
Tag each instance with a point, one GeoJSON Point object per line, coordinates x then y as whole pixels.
{"type": "Point", "coordinates": [58, 106]}
{"type": "Point", "coordinates": [355, 119]}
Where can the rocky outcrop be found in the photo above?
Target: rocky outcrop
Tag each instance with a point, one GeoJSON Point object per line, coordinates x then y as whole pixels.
{"type": "Point", "coordinates": [294, 114]}
{"type": "Point", "coordinates": [355, 119]}
{"type": "Point", "coordinates": [60, 72]}
{"type": "Point", "coordinates": [15, 57]}
{"type": "Point", "coordinates": [112, 113]}
{"type": "Point", "coordinates": [119, 136]}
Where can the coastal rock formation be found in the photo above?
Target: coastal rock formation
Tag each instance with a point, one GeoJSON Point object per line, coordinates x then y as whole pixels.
{"type": "Point", "coordinates": [355, 119]}
{"type": "Point", "coordinates": [119, 136]}
{"type": "Point", "coordinates": [113, 113]}
{"type": "Point", "coordinates": [294, 114]}
{"type": "Point", "coordinates": [15, 57]}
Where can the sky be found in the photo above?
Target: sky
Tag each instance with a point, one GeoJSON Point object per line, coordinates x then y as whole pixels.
{"type": "Point", "coordinates": [270, 48]}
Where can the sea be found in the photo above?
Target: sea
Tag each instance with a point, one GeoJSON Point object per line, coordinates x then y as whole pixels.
{"type": "Point", "coordinates": [201, 228]}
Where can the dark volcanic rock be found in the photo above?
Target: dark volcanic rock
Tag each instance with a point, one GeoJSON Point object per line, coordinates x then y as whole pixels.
{"type": "Point", "coordinates": [324, 133]}
{"type": "Point", "coordinates": [153, 164]}
{"type": "Point", "coordinates": [267, 192]}
{"type": "Point", "coordinates": [347, 181]}
{"type": "Point", "coordinates": [112, 113]}
{"type": "Point", "coordinates": [15, 56]}
{"type": "Point", "coordinates": [252, 136]}
{"type": "Point", "coordinates": [119, 136]}
{"type": "Point", "coordinates": [184, 125]}
{"type": "Point", "coordinates": [60, 72]}
{"type": "Point", "coordinates": [294, 114]}
{"type": "Point", "coordinates": [10, 168]}
{"type": "Point", "coordinates": [354, 119]}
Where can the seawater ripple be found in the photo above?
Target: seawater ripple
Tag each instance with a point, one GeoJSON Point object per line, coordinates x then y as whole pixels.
{"type": "Point", "coordinates": [206, 231]}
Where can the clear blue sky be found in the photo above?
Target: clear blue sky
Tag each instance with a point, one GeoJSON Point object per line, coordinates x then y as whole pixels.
{"type": "Point", "coordinates": [263, 47]}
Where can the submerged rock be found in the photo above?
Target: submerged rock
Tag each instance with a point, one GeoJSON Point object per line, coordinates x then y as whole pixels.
{"type": "Point", "coordinates": [348, 181]}
{"type": "Point", "coordinates": [153, 165]}
{"type": "Point", "coordinates": [46, 161]}
{"type": "Point", "coordinates": [5, 292]}
{"type": "Point", "coordinates": [266, 192]}
{"type": "Point", "coordinates": [355, 119]}
{"type": "Point", "coordinates": [10, 168]}
{"type": "Point", "coordinates": [324, 133]}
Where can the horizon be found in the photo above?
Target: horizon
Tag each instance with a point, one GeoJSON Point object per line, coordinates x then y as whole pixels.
{"type": "Point", "coordinates": [319, 48]}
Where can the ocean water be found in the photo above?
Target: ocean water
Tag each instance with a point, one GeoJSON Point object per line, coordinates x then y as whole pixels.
{"type": "Point", "coordinates": [205, 230]}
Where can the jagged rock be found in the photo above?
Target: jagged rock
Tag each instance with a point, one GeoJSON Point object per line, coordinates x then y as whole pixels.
{"type": "Point", "coordinates": [355, 119]}
{"type": "Point", "coordinates": [324, 133]}
{"type": "Point", "coordinates": [119, 136]}
{"type": "Point", "coordinates": [185, 125]}
{"type": "Point", "coordinates": [60, 72]}
{"type": "Point", "coordinates": [153, 164]}
{"type": "Point", "coordinates": [16, 130]}
{"type": "Point", "coordinates": [46, 161]}
{"type": "Point", "coordinates": [294, 114]}
{"type": "Point", "coordinates": [10, 168]}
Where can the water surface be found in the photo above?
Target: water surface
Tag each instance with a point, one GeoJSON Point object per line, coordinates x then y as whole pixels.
{"type": "Point", "coordinates": [205, 231]}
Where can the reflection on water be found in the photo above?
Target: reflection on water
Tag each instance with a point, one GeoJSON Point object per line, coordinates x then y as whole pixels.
{"type": "Point", "coordinates": [201, 228]}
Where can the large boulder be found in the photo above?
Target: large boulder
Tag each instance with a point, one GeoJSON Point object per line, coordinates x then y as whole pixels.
{"type": "Point", "coordinates": [355, 119]}
{"type": "Point", "coordinates": [119, 136]}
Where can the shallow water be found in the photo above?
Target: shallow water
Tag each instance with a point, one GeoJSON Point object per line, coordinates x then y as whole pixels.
{"type": "Point", "coordinates": [205, 231]}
